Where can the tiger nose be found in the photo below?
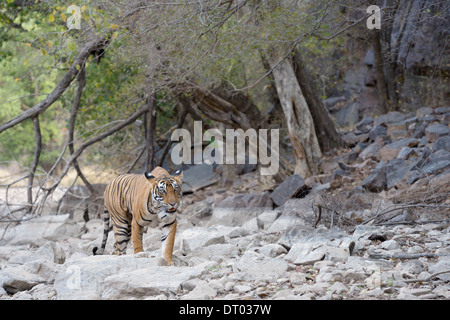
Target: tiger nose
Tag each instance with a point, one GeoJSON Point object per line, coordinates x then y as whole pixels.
{"type": "Point", "coordinates": [172, 204]}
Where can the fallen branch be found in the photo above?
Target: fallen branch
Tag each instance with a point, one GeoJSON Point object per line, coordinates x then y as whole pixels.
{"type": "Point", "coordinates": [434, 275]}
{"type": "Point", "coordinates": [405, 256]}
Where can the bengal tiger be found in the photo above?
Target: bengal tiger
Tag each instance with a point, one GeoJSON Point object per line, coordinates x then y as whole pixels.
{"type": "Point", "coordinates": [133, 201]}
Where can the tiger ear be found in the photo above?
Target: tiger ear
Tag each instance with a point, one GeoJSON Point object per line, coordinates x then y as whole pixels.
{"type": "Point", "coordinates": [149, 176]}
{"type": "Point", "coordinates": [179, 174]}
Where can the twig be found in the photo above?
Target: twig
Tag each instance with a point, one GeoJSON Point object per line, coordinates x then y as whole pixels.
{"type": "Point", "coordinates": [319, 216]}
{"type": "Point", "coordinates": [428, 278]}
{"type": "Point", "coordinates": [387, 210]}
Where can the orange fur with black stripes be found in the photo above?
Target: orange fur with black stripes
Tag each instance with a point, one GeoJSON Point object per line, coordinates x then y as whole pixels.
{"type": "Point", "coordinates": [133, 201]}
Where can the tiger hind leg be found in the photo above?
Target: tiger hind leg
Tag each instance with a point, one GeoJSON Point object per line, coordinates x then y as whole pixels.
{"type": "Point", "coordinates": [107, 227]}
{"type": "Point", "coordinates": [122, 234]}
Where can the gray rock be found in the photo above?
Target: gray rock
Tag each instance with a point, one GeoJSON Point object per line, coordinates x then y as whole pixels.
{"type": "Point", "coordinates": [347, 116]}
{"type": "Point", "coordinates": [198, 176]}
{"type": "Point", "coordinates": [200, 212]}
{"type": "Point", "coordinates": [256, 266]}
{"type": "Point", "coordinates": [24, 277]}
{"type": "Point", "coordinates": [150, 281]}
{"type": "Point", "coordinates": [376, 180]}
{"type": "Point", "coordinates": [437, 162]}
{"type": "Point", "coordinates": [391, 151]}
{"type": "Point", "coordinates": [370, 152]}
{"type": "Point", "coordinates": [203, 291]}
{"type": "Point", "coordinates": [351, 139]}
{"type": "Point", "coordinates": [442, 264]}
{"type": "Point", "coordinates": [435, 131]}
{"type": "Point", "coordinates": [318, 245]}
{"type": "Point", "coordinates": [52, 227]}
{"type": "Point", "coordinates": [291, 187]}
{"type": "Point", "coordinates": [197, 237]}
{"type": "Point", "coordinates": [424, 111]}
{"type": "Point", "coordinates": [365, 124]}
{"type": "Point", "coordinates": [377, 131]}
{"type": "Point", "coordinates": [390, 117]}
{"type": "Point", "coordinates": [443, 143]}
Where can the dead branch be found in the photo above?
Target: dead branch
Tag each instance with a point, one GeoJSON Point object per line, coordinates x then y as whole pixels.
{"type": "Point", "coordinates": [73, 71]}
{"type": "Point", "coordinates": [76, 105]}
{"type": "Point", "coordinates": [429, 278]}
{"type": "Point", "coordinates": [404, 256]}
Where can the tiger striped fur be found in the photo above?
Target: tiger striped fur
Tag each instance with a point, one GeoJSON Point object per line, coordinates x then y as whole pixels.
{"type": "Point", "coordinates": [134, 201]}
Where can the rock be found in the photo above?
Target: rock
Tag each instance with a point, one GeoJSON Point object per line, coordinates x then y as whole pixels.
{"type": "Point", "coordinates": [198, 176]}
{"type": "Point", "coordinates": [351, 139]}
{"type": "Point", "coordinates": [237, 209]}
{"type": "Point", "coordinates": [437, 162]}
{"type": "Point", "coordinates": [423, 111]}
{"type": "Point", "coordinates": [406, 153]}
{"type": "Point", "coordinates": [294, 186]}
{"type": "Point", "coordinates": [202, 291]}
{"type": "Point", "coordinates": [294, 233]}
{"type": "Point", "coordinates": [391, 151]}
{"type": "Point", "coordinates": [318, 245]}
{"type": "Point", "coordinates": [339, 177]}
{"type": "Point", "coordinates": [390, 245]}
{"type": "Point", "coordinates": [200, 212]}
{"type": "Point", "coordinates": [370, 152]}
{"type": "Point", "coordinates": [377, 131]}
{"type": "Point", "coordinates": [24, 277]}
{"type": "Point", "coordinates": [331, 102]}
{"type": "Point", "coordinates": [442, 143]}
{"type": "Point", "coordinates": [242, 289]}
{"type": "Point", "coordinates": [197, 237]}
{"type": "Point", "coordinates": [442, 264]}
{"type": "Point", "coordinates": [435, 131]}
{"type": "Point", "coordinates": [365, 124]}
{"type": "Point", "coordinates": [347, 116]}
{"type": "Point", "coordinates": [33, 231]}
{"type": "Point", "coordinates": [272, 250]}
{"type": "Point", "coordinates": [390, 117]}
{"type": "Point", "coordinates": [256, 266]}
{"type": "Point", "coordinates": [83, 278]}
{"type": "Point", "coordinates": [152, 281]}
{"type": "Point", "coordinates": [376, 180]}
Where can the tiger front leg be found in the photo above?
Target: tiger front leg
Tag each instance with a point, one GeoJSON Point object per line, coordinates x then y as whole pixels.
{"type": "Point", "coordinates": [168, 240]}
{"type": "Point", "coordinates": [136, 234]}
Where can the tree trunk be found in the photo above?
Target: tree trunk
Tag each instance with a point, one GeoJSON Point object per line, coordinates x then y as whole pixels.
{"type": "Point", "coordinates": [379, 71]}
{"type": "Point", "coordinates": [324, 126]}
{"type": "Point", "coordinates": [37, 153]}
{"type": "Point", "coordinates": [150, 125]}
{"type": "Point", "coordinates": [298, 118]}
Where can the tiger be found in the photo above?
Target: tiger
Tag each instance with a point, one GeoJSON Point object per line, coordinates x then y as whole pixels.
{"type": "Point", "coordinates": [133, 201]}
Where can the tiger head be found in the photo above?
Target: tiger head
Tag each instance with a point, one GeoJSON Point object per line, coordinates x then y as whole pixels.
{"type": "Point", "coordinates": [166, 191]}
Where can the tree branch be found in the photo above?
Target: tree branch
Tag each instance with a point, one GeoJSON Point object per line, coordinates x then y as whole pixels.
{"type": "Point", "coordinates": [60, 88]}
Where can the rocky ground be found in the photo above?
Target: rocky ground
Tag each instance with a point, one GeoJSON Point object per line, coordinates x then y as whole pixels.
{"type": "Point", "coordinates": [375, 224]}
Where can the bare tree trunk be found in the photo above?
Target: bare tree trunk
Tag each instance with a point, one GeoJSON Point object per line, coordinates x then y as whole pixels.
{"type": "Point", "coordinates": [150, 130]}
{"type": "Point", "coordinates": [37, 153]}
{"type": "Point", "coordinates": [325, 129]}
{"type": "Point", "coordinates": [73, 115]}
{"type": "Point", "coordinates": [180, 122]}
{"type": "Point", "coordinates": [298, 117]}
{"type": "Point", "coordinates": [379, 71]}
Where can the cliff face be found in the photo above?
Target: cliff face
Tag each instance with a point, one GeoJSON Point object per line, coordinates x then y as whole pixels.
{"type": "Point", "coordinates": [416, 62]}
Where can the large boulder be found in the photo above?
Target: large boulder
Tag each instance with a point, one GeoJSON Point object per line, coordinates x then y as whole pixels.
{"type": "Point", "coordinates": [35, 230]}
{"type": "Point", "coordinates": [291, 187]}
